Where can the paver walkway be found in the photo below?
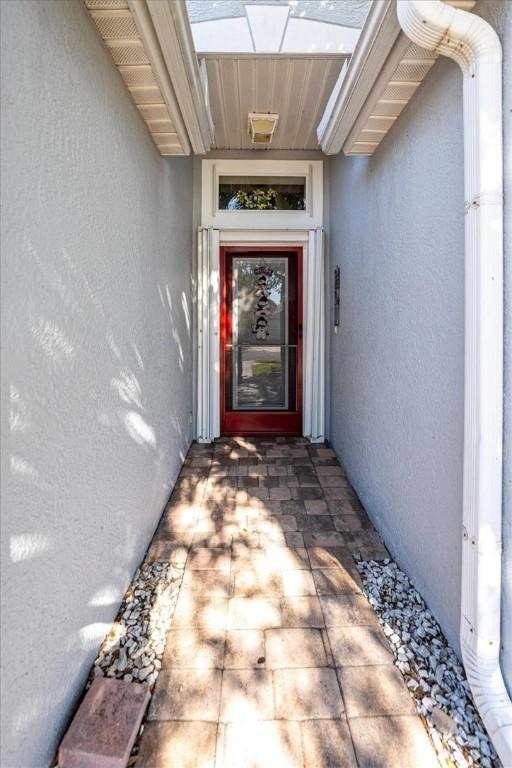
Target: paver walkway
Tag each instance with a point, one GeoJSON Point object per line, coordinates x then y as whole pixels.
{"type": "Point", "coordinates": [275, 658]}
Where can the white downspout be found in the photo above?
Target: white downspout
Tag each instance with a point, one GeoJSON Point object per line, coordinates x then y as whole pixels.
{"type": "Point", "coordinates": [474, 45]}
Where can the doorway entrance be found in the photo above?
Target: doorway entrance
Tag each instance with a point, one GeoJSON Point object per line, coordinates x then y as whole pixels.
{"type": "Point", "coordinates": [261, 340]}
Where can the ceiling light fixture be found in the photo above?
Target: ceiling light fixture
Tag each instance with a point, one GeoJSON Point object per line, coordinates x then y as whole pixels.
{"type": "Point", "coordinates": [261, 127]}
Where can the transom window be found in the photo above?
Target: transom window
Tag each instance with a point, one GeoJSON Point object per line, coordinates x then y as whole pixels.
{"type": "Point", "coordinates": [262, 193]}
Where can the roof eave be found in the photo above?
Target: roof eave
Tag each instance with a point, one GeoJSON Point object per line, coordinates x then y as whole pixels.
{"type": "Point", "coordinates": [174, 36]}
{"type": "Point", "coordinates": [383, 74]}
{"type": "Point", "coordinates": [380, 31]}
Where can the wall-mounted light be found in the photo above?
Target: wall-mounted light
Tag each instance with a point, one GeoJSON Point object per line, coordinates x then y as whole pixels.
{"type": "Point", "coordinates": [261, 127]}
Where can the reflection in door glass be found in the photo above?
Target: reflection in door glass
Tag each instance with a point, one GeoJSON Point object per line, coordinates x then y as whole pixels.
{"type": "Point", "coordinates": [260, 333]}
{"type": "Point", "coordinates": [260, 380]}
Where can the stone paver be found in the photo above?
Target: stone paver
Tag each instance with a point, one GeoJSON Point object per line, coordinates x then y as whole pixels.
{"type": "Point", "coordinates": [302, 612]}
{"type": "Point", "coordinates": [287, 559]}
{"type": "Point", "coordinates": [275, 657]}
{"type": "Point", "coordinates": [254, 613]}
{"type": "Point", "coordinates": [358, 646]}
{"type": "Point", "coordinates": [246, 695]}
{"type": "Point", "coordinates": [261, 745]}
{"type": "Point", "coordinates": [336, 581]}
{"type": "Point", "coordinates": [169, 743]}
{"type": "Point", "coordinates": [306, 694]}
{"type": "Point", "coordinates": [251, 583]}
{"type": "Point", "coordinates": [207, 583]}
{"type": "Point", "coordinates": [327, 743]}
{"type": "Point", "coordinates": [186, 694]}
{"type": "Point", "coordinates": [382, 742]}
{"type": "Point", "coordinates": [347, 610]}
{"type": "Point", "coordinates": [200, 611]}
{"type": "Point", "coordinates": [330, 557]}
{"type": "Point", "coordinates": [298, 584]}
{"type": "Point", "coordinates": [245, 649]}
{"type": "Point", "coordinates": [105, 726]}
{"type": "Point", "coordinates": [375, 690]}
{"type": "Point", "coordinates": [204, 558]}
{"type": "Point", "coordinates": [289, 648]}
{"type": "Point", "coordinates": [194, 649]}
{"type": "Point", "coordinates": [162, 549]}
{"type": "Point", "coordinates": [324, 539]}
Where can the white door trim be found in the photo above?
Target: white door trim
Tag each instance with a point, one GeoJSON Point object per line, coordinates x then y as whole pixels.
{"type": "Point", "coordinates": [208, 308]}
{"type": "Point", "coordinates": [314, 341]}
{"type": "Point", "coordinates": [210, 241]}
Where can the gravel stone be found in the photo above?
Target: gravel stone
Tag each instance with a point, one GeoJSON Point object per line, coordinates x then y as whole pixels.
{"type": "Point", "coordinates": [134, 647]}
{"type": "Point", "coordinates": [432, 671]}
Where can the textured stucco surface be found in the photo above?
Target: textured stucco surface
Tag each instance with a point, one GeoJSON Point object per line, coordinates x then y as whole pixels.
{"type": "Point", "coordinates": [96, 347]}
{"type": "Point", "coordinates": [397, 365]}
{"type": "Point", "coordinates": [397, 232]}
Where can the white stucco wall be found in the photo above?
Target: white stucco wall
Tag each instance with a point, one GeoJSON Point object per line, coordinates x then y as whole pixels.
{"type": "Point", "coordinates": [397, 231]}
{"type": "Point", "coordinates": [96, 357]}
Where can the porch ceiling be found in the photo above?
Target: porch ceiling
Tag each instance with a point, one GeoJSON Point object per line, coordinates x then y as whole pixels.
{"type": "Point", "coordinates": [296, 86]}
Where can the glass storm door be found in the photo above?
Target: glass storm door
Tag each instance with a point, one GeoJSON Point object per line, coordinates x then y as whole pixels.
{"type": "Point", "coordinates": [261, 341]}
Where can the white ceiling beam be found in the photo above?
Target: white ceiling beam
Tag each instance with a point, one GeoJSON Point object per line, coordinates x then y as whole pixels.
{"type": "Point", "coordinates": [172, 29]}
{"type": "Point", "coordinates": [379, 34]}
{"type": "Point", "coordinates": [245, 55]}
{"type": "Point", "coordinates": [142, 19]}
{"type": "Point", "coordinates": [380, 80]}
{"type": "Point", "coordinates": [267, 24]}
{"type": "Point", "coordinates": [224, 35]}
{"type": "Point", "coordinates": [317, 36]}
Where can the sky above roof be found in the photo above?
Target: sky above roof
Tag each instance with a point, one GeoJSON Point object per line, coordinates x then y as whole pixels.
{"type": "Point", "coordinates": [349, 13]}
{"type": "Point", "coordinates": [276, 26]}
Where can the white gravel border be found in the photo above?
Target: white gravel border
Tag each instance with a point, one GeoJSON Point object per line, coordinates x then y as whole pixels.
{"type": "Point", "coordinates": [134, 647]}
{"type": "Point", "coordinates": [433, 673]}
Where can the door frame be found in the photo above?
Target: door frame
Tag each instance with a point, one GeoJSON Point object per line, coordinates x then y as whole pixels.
{"type": "Point", "coordinates": [286, 422]}
{"type": "Point", "coordinates": [207, 315]}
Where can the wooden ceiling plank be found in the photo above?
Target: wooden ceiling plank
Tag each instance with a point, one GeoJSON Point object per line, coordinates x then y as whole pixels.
{"type": "Point", "coordinates": [328, 75]}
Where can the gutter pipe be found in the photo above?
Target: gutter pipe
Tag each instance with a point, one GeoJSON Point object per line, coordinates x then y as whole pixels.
{"type": "Point", "coordinates": [475, 46]}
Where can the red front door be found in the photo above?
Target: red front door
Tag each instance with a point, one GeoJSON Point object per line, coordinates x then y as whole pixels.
{"type": "Point", "coordinates": [261, 341]}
